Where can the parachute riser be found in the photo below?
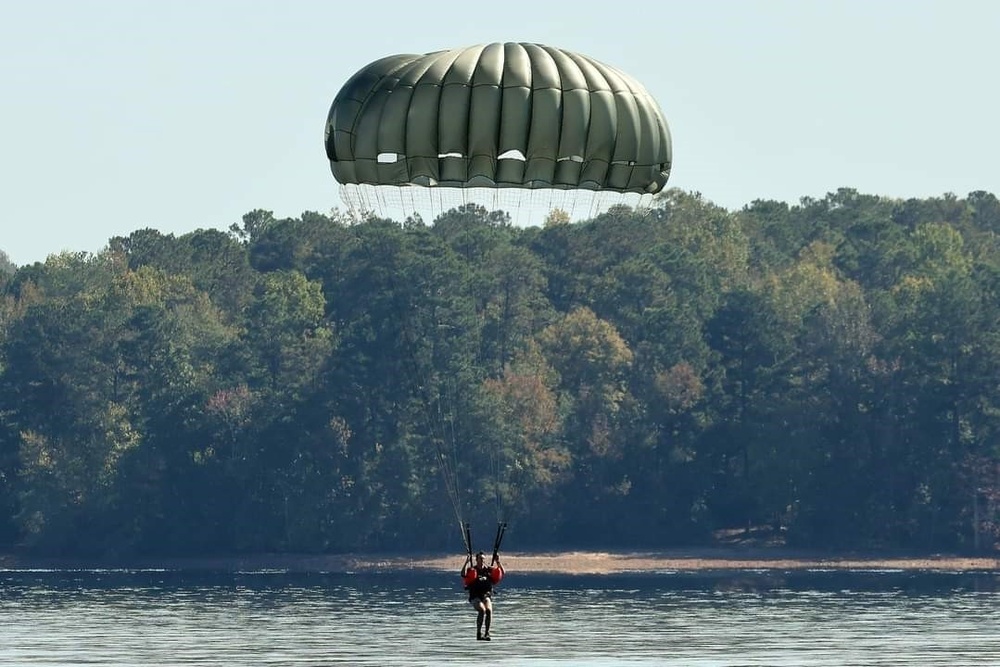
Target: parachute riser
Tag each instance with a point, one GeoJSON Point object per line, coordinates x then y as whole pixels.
{"type": "Point", "coordinates": [498, 540]}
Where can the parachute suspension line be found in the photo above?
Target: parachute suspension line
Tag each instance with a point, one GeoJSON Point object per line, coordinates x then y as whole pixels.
{"type": "Point", "coordinates": [495, 469]}
{"type": "Point", "coordinates": [520, 209]}
{"type": "Point", "coordinates": [447, 442]}
{"type": "Point", "coordinates": [572, 209]}
{"type": "Point", "coordinates": [447, 457]}
{"type": "Point", "coordinates": [498, 471]}
{"type": "Point", "coordinates": [450, 467]}
{"type": "Point", "coordinates": [447, 446]}
{"type": "Point", "coordinates": [495, 455]}
{"type": "Point", "coordinates": [494, 448]}
{"type": "Point", "coordinates": [380, 198]}
{"type": "Point", "coordinates": [525, 206]}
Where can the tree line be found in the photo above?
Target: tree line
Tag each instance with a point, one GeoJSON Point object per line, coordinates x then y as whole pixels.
{"type": "Point", "coordinates": [826, 372]}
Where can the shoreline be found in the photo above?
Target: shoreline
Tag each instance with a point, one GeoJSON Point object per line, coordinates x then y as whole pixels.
{"type": "Point", "coordinates": [562, 562]}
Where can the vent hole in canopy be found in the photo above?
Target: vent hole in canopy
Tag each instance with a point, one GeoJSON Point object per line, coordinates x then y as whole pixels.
{"type": "Point", "coordinates": [512, 154]}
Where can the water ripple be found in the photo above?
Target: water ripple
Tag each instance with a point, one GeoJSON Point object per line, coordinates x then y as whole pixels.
{"type": "Point", "coordinates": [272, 619]}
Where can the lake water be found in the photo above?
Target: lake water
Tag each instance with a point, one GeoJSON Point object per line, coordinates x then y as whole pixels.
{"type": "Point", "coordinates": [274, 618]}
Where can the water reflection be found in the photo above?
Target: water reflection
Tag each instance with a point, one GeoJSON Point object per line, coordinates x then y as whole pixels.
{"type": "Point", "coordinates": [274, 618]}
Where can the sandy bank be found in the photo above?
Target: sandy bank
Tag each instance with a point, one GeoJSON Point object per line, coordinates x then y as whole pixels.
{"type": "Point", "coordinates": [588, 562]}
{"type": "Point", "coordinates": [612, 563]}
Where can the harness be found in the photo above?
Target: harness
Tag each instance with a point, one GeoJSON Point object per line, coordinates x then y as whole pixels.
{"type": "Point", "coordinates": [482, 585]}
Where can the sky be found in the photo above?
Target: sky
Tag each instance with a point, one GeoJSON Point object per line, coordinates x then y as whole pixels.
{"type": "Point", "coordinates": [119, 115]}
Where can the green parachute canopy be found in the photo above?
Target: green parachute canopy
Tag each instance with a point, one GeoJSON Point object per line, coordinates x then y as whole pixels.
{"type": "Point", "coordinates": [511, 115]}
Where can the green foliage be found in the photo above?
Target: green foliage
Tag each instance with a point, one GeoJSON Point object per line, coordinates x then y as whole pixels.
{"type": "Point", "coordinates": [824, 370]}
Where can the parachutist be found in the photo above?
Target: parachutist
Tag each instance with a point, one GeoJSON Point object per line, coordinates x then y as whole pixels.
{"type": "Point", "coordinates": [479, 580]}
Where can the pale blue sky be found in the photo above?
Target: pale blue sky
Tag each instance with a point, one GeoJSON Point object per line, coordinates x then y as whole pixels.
{"type": "Point", "coordinates": [120, 115]}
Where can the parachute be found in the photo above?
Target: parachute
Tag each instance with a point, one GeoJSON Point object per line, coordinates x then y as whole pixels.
{"type": "Point", "coordinates": [500, 125]}
{"type": "Point", "coordinates": [517, 127]}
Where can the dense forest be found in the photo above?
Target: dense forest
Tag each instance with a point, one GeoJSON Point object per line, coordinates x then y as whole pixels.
{"type": "Point", "coordinates": [827, 371]}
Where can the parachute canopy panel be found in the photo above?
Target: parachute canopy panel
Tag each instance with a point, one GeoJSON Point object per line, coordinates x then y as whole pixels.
{"type": "Point", "coordinates": [498, 116]}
